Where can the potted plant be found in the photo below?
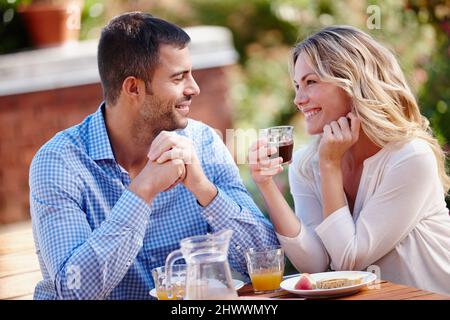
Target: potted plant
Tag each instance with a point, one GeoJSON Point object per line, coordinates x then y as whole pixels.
{"type": "Point", "coordinates": [51, 22]}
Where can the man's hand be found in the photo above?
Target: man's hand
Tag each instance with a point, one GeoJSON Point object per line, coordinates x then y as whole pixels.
{"type": "Point", "coordinates": [157, 177]}
{"type": "Point", "coordinates": [170, 146]}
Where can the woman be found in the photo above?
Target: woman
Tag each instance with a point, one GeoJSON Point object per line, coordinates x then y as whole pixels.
{"type": "Point", "coordinates": [370, 189]}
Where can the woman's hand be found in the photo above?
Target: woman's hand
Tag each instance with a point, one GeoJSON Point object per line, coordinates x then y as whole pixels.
{"type": "Point", "coordinates": [337, 138]}
{"type": "Point", "coordinates": [262, 167]}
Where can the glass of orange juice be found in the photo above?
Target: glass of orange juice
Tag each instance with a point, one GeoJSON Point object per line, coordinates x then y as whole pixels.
{"type": "Point", "coordinates": [266, 268]}
{"type": "Point", "coordinates": [178, 282]}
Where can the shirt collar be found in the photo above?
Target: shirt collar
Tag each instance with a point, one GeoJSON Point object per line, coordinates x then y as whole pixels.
{"type": "Point", "coordinates": [97, 139]}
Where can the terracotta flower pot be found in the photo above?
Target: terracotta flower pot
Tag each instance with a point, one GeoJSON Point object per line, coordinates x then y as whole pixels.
{"type": "Point", "coordinates": [51, 24]}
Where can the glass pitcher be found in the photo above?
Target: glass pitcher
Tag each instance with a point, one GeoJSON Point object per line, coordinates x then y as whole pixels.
{"type": "Point", "coordinates": [208, 274]}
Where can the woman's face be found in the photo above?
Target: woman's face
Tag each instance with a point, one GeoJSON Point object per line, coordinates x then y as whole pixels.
{"type": "Point", "coordinates": [321, 102]}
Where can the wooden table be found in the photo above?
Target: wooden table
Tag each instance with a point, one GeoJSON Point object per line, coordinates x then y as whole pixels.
{"type": "Point", "coordinates": [385, 291]}
{"type": "Point", "coordinates": [19, 267]}
{"type": "Point", "coordinates": [19, 274]}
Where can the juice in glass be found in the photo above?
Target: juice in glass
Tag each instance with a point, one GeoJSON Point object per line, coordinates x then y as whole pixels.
{"type": "Point", "coordinates": [266, 280]}
{"type": "Point", "coordinates": [163, 295]}
{"type": "Point", "coordinates": [178, 282]}
{"type": "Point", "coordinates": [265, 267]}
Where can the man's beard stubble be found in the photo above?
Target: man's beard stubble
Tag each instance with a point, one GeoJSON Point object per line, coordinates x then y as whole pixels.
{"type": "Point", "coordinates": [154, 117]}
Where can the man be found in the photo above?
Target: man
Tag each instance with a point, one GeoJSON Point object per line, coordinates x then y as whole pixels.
{"type": "Point", "coordinates": [113, 195]}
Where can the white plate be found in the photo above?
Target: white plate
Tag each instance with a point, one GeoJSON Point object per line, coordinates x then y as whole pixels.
{"type": "Point", "coordinates": [237, 285]}
{"type": "Point", "coordinates": [368, 277]}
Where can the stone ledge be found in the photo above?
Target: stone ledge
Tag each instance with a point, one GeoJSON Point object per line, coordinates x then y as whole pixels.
{"type": "Point", "coordinates": [75, 63]}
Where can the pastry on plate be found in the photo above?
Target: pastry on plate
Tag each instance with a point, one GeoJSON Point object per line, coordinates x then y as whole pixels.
{"type": "Point", "coordinates": [305, 282]}
{"type": "Point", "coordinates": [337, 283]}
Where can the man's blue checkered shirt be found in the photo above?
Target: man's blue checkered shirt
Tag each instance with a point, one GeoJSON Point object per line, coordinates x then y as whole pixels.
{"type": "Point", "coordinates": [95, 239]}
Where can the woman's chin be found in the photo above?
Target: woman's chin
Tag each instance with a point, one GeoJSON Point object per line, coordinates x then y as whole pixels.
{"type": "Point", "coordinates": [313, 130]}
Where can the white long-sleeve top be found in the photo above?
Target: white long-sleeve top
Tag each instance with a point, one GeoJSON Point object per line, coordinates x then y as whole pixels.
{"type": "Point", "coordinates": [400, 222]}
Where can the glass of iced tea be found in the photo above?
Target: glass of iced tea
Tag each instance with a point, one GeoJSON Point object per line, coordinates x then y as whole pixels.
{"type": "Point", "coordinates": [178, 282]}
{"type": "Point", "coordinates": [266, 268]}
{"type": "Point", "coordinates": [282, 138]}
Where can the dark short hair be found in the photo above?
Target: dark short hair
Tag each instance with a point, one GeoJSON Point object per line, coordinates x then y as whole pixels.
{"type": "Point", "coordinates": [129, 46]}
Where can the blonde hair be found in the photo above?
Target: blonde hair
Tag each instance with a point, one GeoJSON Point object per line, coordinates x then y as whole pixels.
{"type": "Point", "coordinates": [371, 76]}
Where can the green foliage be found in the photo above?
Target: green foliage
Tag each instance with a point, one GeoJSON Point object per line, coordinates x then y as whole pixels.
{"type": "Point", "coordinates": [92, 19]}
{"type": "Point", "coordinates": [253, 22]}
{"type": "Point", "coordinates": [12, 31]}
{"type": "Point", "coordinates": [434, 95]}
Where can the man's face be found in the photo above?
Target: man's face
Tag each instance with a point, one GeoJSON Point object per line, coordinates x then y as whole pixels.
{"type": "Point", "coordinates": [170, 92]}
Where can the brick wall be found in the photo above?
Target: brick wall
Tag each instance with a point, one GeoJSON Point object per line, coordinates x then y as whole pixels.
{"type": "Point", "coordinates": [27, 121]}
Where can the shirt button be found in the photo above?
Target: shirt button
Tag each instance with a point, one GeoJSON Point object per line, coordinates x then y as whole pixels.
{"type": "Point", "coordinates": [238, 247]}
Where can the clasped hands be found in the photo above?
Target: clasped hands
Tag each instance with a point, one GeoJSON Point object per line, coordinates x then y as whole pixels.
{"type": "Point", "coordinates": [171, 160]}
